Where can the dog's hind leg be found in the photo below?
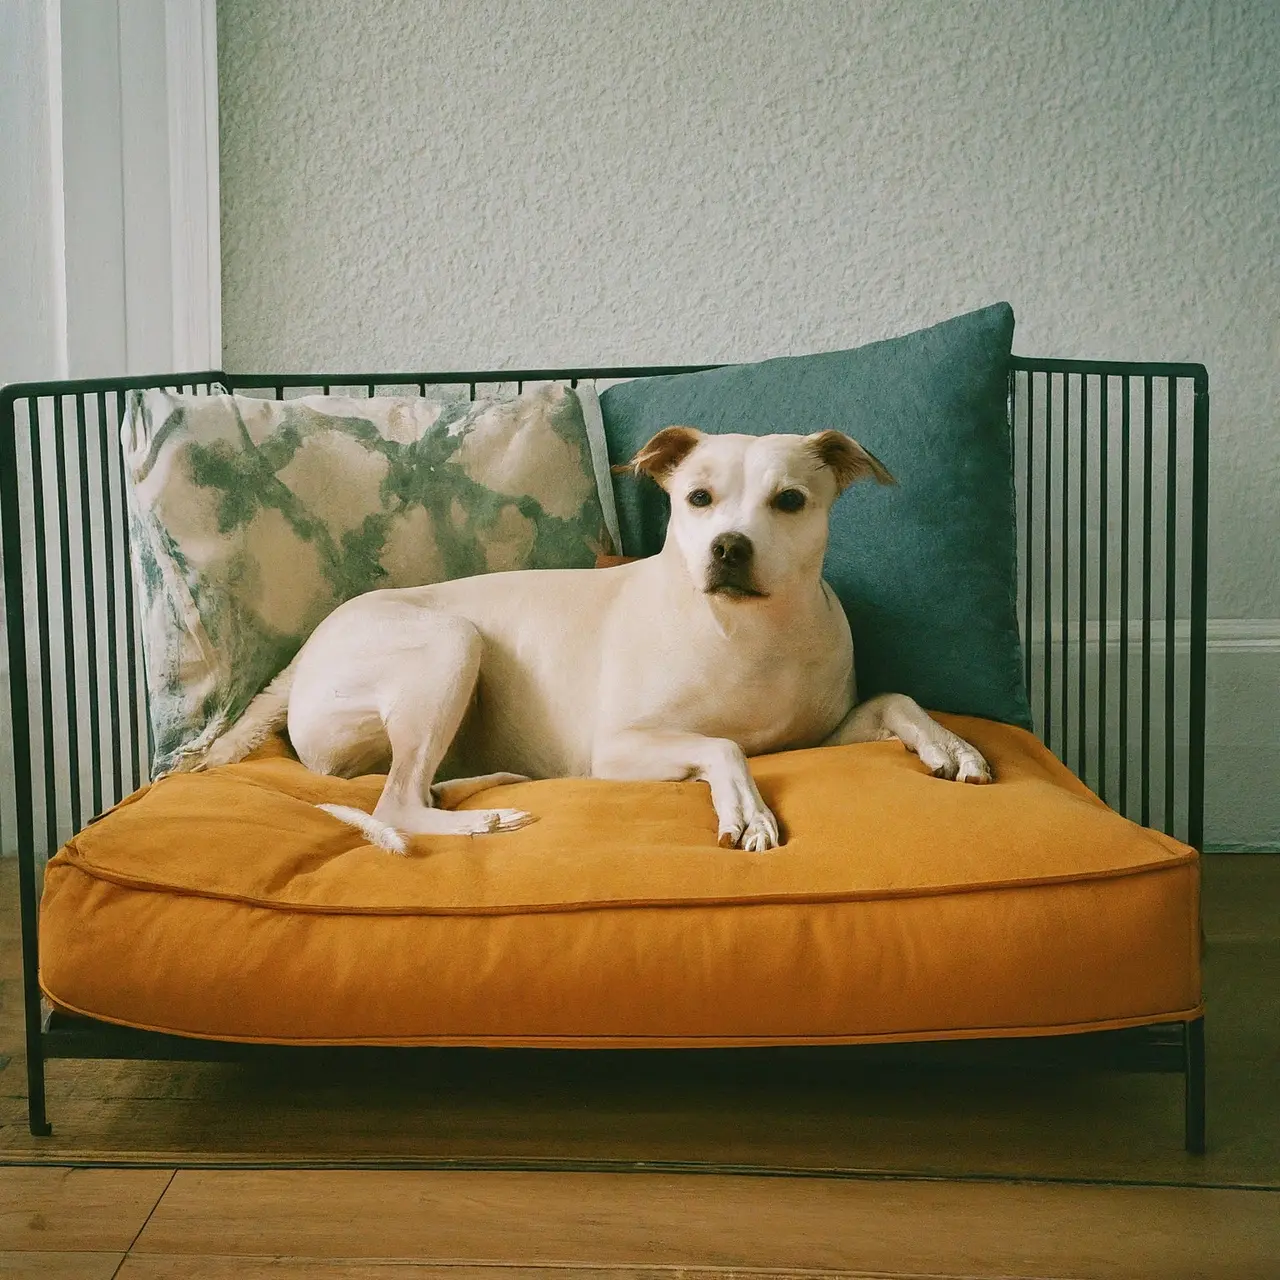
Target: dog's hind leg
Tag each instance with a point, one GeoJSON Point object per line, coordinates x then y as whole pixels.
{"type": "Point", "coordinates": [448, 795]}
{"type": "Point", "coordinates": [424, 688]}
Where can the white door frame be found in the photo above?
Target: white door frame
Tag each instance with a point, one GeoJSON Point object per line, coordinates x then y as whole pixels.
{"type": "Point", "coordinates": [112, 110]}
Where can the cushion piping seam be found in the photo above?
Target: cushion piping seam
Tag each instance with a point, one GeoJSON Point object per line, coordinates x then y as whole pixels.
{"type": "Point", "coordinates": [892, 1037]}
{"type": "Point", "coordinates": [624, 904]}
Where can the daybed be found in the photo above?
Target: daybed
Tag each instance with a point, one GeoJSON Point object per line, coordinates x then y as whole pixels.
{"type": "Point", "coordinates": [215, 908]}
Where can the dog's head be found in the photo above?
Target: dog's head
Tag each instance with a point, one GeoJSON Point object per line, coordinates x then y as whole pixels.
{"type": "Point", "coordinates": [749, 513]}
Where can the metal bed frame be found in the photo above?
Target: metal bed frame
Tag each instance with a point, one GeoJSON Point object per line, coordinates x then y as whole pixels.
{"type": "Point", "coordinates": [1111, 479]}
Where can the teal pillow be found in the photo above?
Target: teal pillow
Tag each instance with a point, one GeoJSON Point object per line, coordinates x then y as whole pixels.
{"type": "Point", "coordinates": [925, 569]}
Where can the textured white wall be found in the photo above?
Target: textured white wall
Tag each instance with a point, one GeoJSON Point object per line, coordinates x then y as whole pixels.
{"type": "Point", "coordinates": [449, 185]}
{"type": "Point", "coordinates": [412, 185]}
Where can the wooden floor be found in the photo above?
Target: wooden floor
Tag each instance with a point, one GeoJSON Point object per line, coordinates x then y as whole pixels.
{"type": "Point", "coordinates": [205, 1224]}
{"type": "Point", "coordinates": [1026, 1218]}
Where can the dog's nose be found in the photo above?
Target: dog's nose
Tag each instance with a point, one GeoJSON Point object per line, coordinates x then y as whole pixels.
{"type": "Point", "coordinates": [733, 550]}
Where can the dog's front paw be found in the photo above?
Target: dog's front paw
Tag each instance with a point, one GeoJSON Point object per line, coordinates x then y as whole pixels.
{"type": "Point", "coordinates": [761, 834]}
{"type": "Point", "coordinates": [956, 760]}
{"type": "Point", "coordinates": [755, 836]}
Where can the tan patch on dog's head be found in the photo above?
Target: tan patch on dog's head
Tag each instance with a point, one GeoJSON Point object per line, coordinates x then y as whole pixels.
{"type": "Point", "coordinates": [662, 454]}
{"type": "Point", "coordinates": [848, 460]}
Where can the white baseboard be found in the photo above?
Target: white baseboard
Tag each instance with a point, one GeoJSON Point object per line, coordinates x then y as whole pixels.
{"type": "Point", "coordinates": [1242, 736]}
{"type": "Point", "coordinates": [1242, 712]}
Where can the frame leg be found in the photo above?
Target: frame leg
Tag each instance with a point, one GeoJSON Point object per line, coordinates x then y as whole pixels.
{"type": "Point", "coordinates": [36, 1117]}
{"type": "Point", "coordinates": [29, 896]}
{"type": "Point", "coordinates": [1193, 1080]}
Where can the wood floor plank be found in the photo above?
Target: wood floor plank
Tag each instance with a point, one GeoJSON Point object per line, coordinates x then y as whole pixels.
{"type": "Point", "coordinates": [233, 1267]}
{"type": "Point", "coordinates": [642, 1220]}
{"type": "Point", "coordinates": [58, 1266]}
{"type": "Point", "coordinates": [54, 1210]}
{"type": "Point", "coordinates": [1240, 895]}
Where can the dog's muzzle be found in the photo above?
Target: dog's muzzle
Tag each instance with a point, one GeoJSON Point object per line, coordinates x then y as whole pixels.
{"type": "Point", "coordinates": [729, 573]}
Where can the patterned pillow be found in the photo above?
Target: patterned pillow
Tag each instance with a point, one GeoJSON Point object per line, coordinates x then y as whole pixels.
{"type": "Point", "coordinates": [253, 519]}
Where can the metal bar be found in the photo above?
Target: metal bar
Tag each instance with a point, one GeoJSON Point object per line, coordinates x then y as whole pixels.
{"type": "Point", "coordinates": [446, 377]}
{"type": "Point", "coordinates": [1027, 533]}
{"type": "Point", "coordinates": [232, 381]}
{"type": "Point", "coordinates": [20, 722]}
{"type": "Point", "coordinates": [68, 615]}
{"type": "Point", "coordinates": [90, 386]}
{"type": "Point", "coordinates": [1047, 585]}
{"type": "Point", "coordinates": [1104, 554]}
{"type": "Point", "coordinates": [1170, 601]}
{"type": "Point", "coordinates": [90, 609]}
{"type": "Point", "coordinates": [1156, 1047]}
{"type": "Point", "coordinates": [248, 378]}
{"type": "Point", "coordinates": [1125, 486]}
{"type": "Point", "coordinates": [130, 633]}
{"type": "Point", "coordinates": [1147, 449]}
{"type": "Point", "coordinates": [1199, 620]}
{"type": "Point", "coordinates": [1065, 554]}
{"type": "Point", "coordinates": [1082, 579]}
{"type": "Point", "coordinates": [42, 626]}
{"type": "Point", "coordinates": [1194, 1086]}
{"type": "Point", "coordinates": [109, 555]}
{"type": "Point", "coordinates": [1107, 368]}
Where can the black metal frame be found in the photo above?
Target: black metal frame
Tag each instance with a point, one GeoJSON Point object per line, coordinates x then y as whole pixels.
{"type": "Point", "coordinates": [1064, 415]}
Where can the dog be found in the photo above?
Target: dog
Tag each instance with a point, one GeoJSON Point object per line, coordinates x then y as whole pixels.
{"type": "Point", "coordinates": [728, 643]}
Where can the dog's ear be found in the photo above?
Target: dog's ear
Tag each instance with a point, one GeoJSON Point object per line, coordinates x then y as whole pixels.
{"type": "Point", "coordinates": [663, 453]}
{"type": "Point", "coordinates": [848, 459]}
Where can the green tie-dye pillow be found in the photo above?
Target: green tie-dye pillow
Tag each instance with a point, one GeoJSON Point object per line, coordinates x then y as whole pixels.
{"type": "Point", "coordinates": [253, 519]}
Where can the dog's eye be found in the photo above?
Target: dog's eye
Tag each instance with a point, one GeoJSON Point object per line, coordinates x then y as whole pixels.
{"type": "Point", "coordinates": [699, 498]}
{"type": "Point", "coordinates": [789, 500]}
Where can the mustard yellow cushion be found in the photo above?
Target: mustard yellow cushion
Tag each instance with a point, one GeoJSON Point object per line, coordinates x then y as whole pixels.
{"type": "Point", "coordinates": [225, 905]}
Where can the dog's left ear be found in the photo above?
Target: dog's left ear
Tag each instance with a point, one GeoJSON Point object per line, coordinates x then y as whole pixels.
{"type": "Point", "coordinates": [663, 453]}
{"type": "Point", "coordinates": [848, 459]}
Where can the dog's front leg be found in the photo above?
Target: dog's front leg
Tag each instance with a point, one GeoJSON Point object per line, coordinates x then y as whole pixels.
{"type": "Point", "coordinates": [894, 715]}
{"type": "Point", "coordinates": [643, 755]}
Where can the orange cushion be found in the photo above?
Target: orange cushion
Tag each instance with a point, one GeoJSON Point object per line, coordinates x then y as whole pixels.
{"type": "Point", "coordinates": [224, 904]}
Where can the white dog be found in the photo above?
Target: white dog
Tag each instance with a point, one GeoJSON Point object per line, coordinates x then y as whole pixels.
{"type": "Point", "coordinates": [726, 644]}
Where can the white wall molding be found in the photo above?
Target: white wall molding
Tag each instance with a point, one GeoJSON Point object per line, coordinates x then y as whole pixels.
{"type": "Point", "coordinates": [1242, 737]}
{"type": "Point", "coordinates": [92, 189]}
{"type": "Point", "coordinates": [110, 208]}
{"type": "Point", "coordinates": [1221, 633]}
{"type": "Point", "coordinates": [191, 36]}
{"type": "Point", "coordinates": [57, 192]}
{"type": "Point", "coordinates": [1244, 633]}
{"type": "Point", "coordinates": [112, 113]}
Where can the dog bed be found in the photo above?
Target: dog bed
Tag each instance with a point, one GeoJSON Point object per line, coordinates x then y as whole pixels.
{"type": "Point", "coordinates": [225, 905]}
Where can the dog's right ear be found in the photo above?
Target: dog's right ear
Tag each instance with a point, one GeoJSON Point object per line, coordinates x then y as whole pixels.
{"type": "Point", "coordinates": [848, 459]}
{"type": "Point", "coordinates": [663, 453]}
